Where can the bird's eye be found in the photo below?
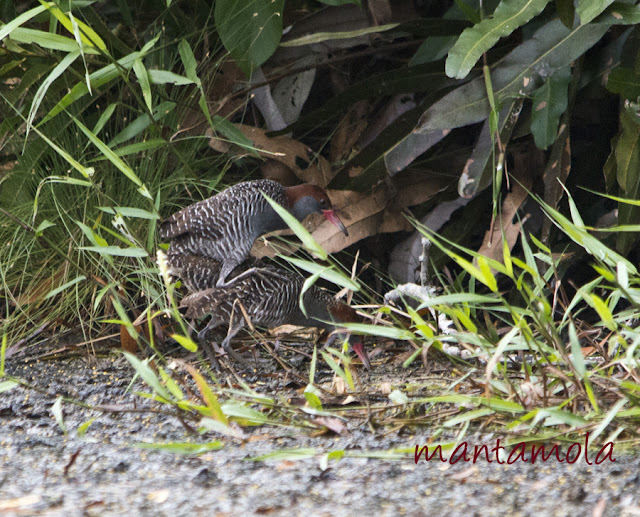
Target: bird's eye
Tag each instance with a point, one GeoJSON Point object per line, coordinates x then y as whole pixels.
{"type": "Point", "coordinates": [324, 204]}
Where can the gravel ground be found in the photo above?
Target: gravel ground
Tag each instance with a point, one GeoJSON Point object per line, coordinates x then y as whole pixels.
{"type": "Point", "coordinates": [45, 472]}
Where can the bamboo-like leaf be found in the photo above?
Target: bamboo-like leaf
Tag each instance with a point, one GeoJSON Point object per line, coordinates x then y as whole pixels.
{"type": "Point", "coordinates": [301, 232]}
{"type": "Point", "coordinates": [66, 62]}
{"type": "Point", "coordinates": [319, 37]}
{"type": "Point", "coordinates": [47, 40]}
{"type": "Point", "coordinates": [328, 273]}
{"type": "Point", "coordinates": [122, 166]}
{"type": "Point", "coordinates": [6, 29]}
{"type": "Point", "coordinates": [168, 77]}
{"type": "Point", "coordinates": [143, 80]}
{"type": "Point", "coordinates": [209, 398]}
{"type": "Point", "coordinates": [474, 41]}
{"type": "Point", "coordinates": [87, 36]}
{"type": "Point", "coordinates": [336, 369]}
{"type": "Point", "coordinates": [116, 251]}
{"type": "Point", "coordinates": [184, 448]}
{"type": "Point", "coordinates": [65, 286]}
{"type": "Point", "coordinates": [98, 78]}
{"type": "Point", "coordinates": [382, 331]}
{"type": "Point", "coordinates": [128, 211]}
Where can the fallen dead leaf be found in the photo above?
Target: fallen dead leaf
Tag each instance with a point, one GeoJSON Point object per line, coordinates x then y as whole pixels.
{"type": "Point", "coordinates": [305, 164]}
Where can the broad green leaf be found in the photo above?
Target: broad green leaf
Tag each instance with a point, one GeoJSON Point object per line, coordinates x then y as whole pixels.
{"type": "Point", "coordinates": [620, 13]}
{"type": "Point", "coordinates": [249, 30]}
{"type": "Point", "coordinates": [548, 104]}
{"type": "Point", "coordinates": [138, 125]}
{"type": "Point", "coordinates": [43, 226]}
{"type": "Point", "coordinates": [583, 238]}
{"type": "Point", "coordinates": [244, 414]}
{"type": "Point", "coordinates": [627, 153]}
{"type": "Point", "coordinates": [139, 147]}
{"type": "Point", "coordinates": [336, 369]}
{"type": "Point", "coordinates": [587, 10]}
{"type": "Point", "coordinates": [312, 395]}
{"type": "Point", "coordinates": [319, 37]}
{"type": "Point", "coordinates": [474, 41]}
{"type": "Point", "coordinates": [552, 47]}
{"type": "Point", "coordinates": [234, 134]}
{"type": "Point", "coordinates": [624, 81]}
{"type": "Point", "coordinates": [468, 416]}
{"type": "Point", "coordinates": [566, 12]}
{"type": "Point", "coordinates": [602, 309]}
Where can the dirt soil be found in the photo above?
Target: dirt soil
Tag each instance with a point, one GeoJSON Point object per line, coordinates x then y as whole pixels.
{"type": "Point", "coordinates": [46, 472]}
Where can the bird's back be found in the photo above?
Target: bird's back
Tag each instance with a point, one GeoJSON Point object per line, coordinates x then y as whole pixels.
{"type": "Point", "coordinates": [214, 217]}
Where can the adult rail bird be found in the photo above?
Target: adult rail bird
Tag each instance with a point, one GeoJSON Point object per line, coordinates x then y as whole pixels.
{"type": "Point", "coordinates": [269, 296]}
{"type": "Point", "coordinates": [225, 226]}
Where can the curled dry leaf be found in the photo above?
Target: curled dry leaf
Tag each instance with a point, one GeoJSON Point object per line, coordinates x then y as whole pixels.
{"type": "Point", "coordinates": [365, 214]}
{"type": "Point", "coordinates": [305, 164]}
{"type": "Point", "coordinates": [333, 424]}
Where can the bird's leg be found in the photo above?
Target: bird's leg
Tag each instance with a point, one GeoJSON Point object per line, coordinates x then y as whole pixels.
{"type": "Point", "coordinates": [210, 347]}
{"type": "Point", "coordinates": [226, 344]}
{"type": "Point", "coordinates": [222, 283]}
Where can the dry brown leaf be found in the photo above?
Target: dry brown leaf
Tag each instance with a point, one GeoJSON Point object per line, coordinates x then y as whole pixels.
{"type": "Point", "coordinates": [304, 163]}
{"type": "Point", "coordinates": [505, 225]}
{"type": "Point", "coordinates": [349, 130]}
{"type": "Point", "coordinates": [334, 424]}
{"type": "Point", "coordinates": [126, 341]}
{"type": "Point", "coordinates": [364, 214]}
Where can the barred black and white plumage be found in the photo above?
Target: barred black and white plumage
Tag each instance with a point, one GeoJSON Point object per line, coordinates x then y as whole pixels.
{"type": "Point", "coordinates": [199, 273]}
{"type": "Point", "coordinates": [225, 226]}
{"type": "Point", "coordinates": [270, 297]}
